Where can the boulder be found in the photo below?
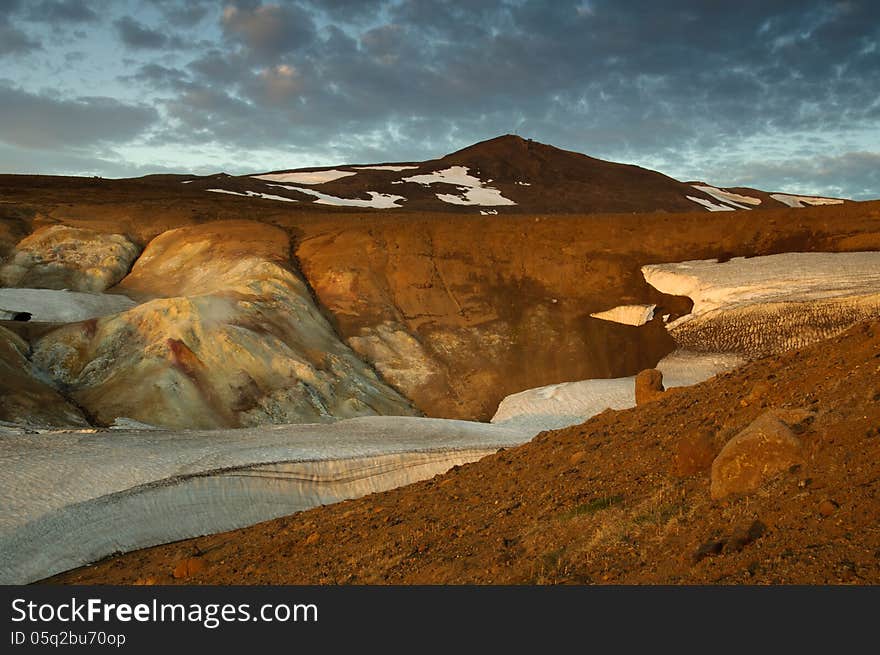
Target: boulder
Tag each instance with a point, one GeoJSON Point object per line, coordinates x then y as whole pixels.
{"type": "Point", "coordinates": [764, 449]}
{"type": "Point", "coordinates": [649, 386]}
{"type": "Point", "coordinates": [61, 257]}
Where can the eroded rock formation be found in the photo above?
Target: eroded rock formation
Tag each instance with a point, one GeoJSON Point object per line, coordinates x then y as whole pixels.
{"type": "Point", "coordinates": [231, 337]}
{"type": "Point", "coordinates": [25, 399]}
{"type": "Point", "coordinates": [62, 257]}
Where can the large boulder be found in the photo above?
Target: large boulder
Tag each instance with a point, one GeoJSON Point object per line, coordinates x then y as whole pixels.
{"type": "Point", "coordinates": [649, 386]}
{"type": "Point", "coordinates": [767, 447]}
{"type": "Point", "coordinates": [241, 343]}
{"type": "Point", "coordinates": [61, 257]}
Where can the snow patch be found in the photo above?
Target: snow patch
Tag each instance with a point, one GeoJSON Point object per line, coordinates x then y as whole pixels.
{"type": "Point", "coordinates": [472, 190]}
{"type": "Point", "coordinates": [254, 194]}
{"type": "Point", "coordinates": [734, 199]}
{"type": "Point", "coordinates": [384, 168]}
{"type": "Point", "coordinates": [51, 306]}
{"type": "Point", "coordinates": [488, 212]}
{"type": "Point", "coordinates": [377, 200]}
{"type": "Point", "coordinates": [306, 177]}
{"type": "Point", "coordinates": [627, 314]}
{"type": "Point", "coordinates": [800, 201]}
{"type": "Point", "coordinates": [569, 403]}
{"type": "Point", "coordinates": [710, 206]}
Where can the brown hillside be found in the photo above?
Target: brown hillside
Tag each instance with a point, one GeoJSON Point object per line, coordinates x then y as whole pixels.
{"type": "Point", "coordinates": [623, 498]}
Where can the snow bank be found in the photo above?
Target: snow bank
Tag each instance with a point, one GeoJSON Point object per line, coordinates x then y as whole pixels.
{"type": "Point", "coordinates": [51, 306]}
{"type": "Point", "coordinates": [569, 403]}
{"type": "Point", "coordinates": [71, 498]}
{"type": "Point", "coordinates": [800, 201]}
{"type": "Point", "coordinates": [765, 305]}
{"type": "Point", "coordinates": [734, 199]}
{"type": "Point", "coordinates": [472, 190]}
{"type": "Point", "coordinates": [306, 177]}
{"type": "Point", "coordinates": [711, 206]}
{"type": "Point", "coordinates": [377, 200]}
{"type": "Point", "coordinates": [627, 314]}
{"type": "Point", "coordinates": [384, 168]}
{"type": "Point", "coordinates": [253, 194]}
{"type": "Point", "coordinates": [789, 277]}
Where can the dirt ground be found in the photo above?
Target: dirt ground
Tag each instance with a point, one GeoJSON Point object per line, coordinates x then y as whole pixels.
{"type": "Point", "coordinates": [605, 502]}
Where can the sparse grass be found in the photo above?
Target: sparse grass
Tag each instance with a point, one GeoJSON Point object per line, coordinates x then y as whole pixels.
{"type": "Point", "coordinates": [592, 506]}
{"type": "Point", "coordinates": [659, 515]}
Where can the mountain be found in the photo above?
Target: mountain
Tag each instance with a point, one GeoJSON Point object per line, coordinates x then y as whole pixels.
{"type": "Point", "coordinates": [507, 174]}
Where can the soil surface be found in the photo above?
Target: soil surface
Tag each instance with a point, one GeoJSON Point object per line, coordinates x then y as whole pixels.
{"type": "Point", "coordinates": [622, 498]}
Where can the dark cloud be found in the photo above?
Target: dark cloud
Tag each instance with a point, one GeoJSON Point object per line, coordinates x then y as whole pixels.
{"type": "Point", "coordinates": [63, 11]}
{"type": "Point", "coordinates": [347, 11]}
{"type": "Point", "coordinates": [29, 120]}
{"type": "Point", "coordinates": [184, 13]}
{"type": "Point", "coordinates": [157, 76]}
{"type": "Point", "coordinates": [138, 36]}
{"type": "Point", "coordinates": [268, 30]}
{"type": "Point", "coordinates": [13, 41]}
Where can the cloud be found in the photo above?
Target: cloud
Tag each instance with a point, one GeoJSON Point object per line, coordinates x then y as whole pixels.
{"type": "Point", "coordinates": [15, 42]}
{"type": "Point", "coordinates": [61, 11]}
{"type": "Point", "coordinates": [707, 89]}
{"type": "Point", "coordinates": [854, 175]}
{"type": "Point", "coordinates": [136, 35]}
{"type": "Point", "coordinates": [268, 30]}
{"type": "Point", "coordinates": [35, 121]}
{"type": "Point", "coordinates": [185, 13]}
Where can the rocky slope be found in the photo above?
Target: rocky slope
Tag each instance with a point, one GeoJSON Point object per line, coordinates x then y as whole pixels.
{"type": "Point", "coordinates": [564, 509]}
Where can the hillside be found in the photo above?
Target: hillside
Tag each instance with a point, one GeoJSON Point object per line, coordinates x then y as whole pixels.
{"type": "Point", "coordinates": [623, 498]}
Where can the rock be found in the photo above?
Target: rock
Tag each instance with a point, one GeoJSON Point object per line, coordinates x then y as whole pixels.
{"type": "Point", "coordinates": [743, 536]}
{"type": "Point", "coordinates": [649, 386]}
{"type": "Point", "coordinates": [828, 507]}
{"type": "Point", "coordinates": [693, 453]}
{"type": "Point", "coordinates": [577, 457]}
{"type": "Point", "coordinates": [762, 450]}
{"type": "Point", "coordinates": [708, 548]}
{"type": "Point", "coordinates": [313, 538]}
{"type": "Point", "coordinates": [735, 542]}
{"type": "Point", "coordinates": [188, 567]}
{"type": "Point", "coordinates": [61, 257]}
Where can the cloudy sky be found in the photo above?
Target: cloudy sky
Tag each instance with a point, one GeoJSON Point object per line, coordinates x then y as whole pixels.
{"type": "Point", "coordinates": [783, 95]}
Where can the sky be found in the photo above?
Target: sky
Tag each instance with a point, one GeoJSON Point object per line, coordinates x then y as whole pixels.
{"type": "Point", "coordinates": [779, 95]}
